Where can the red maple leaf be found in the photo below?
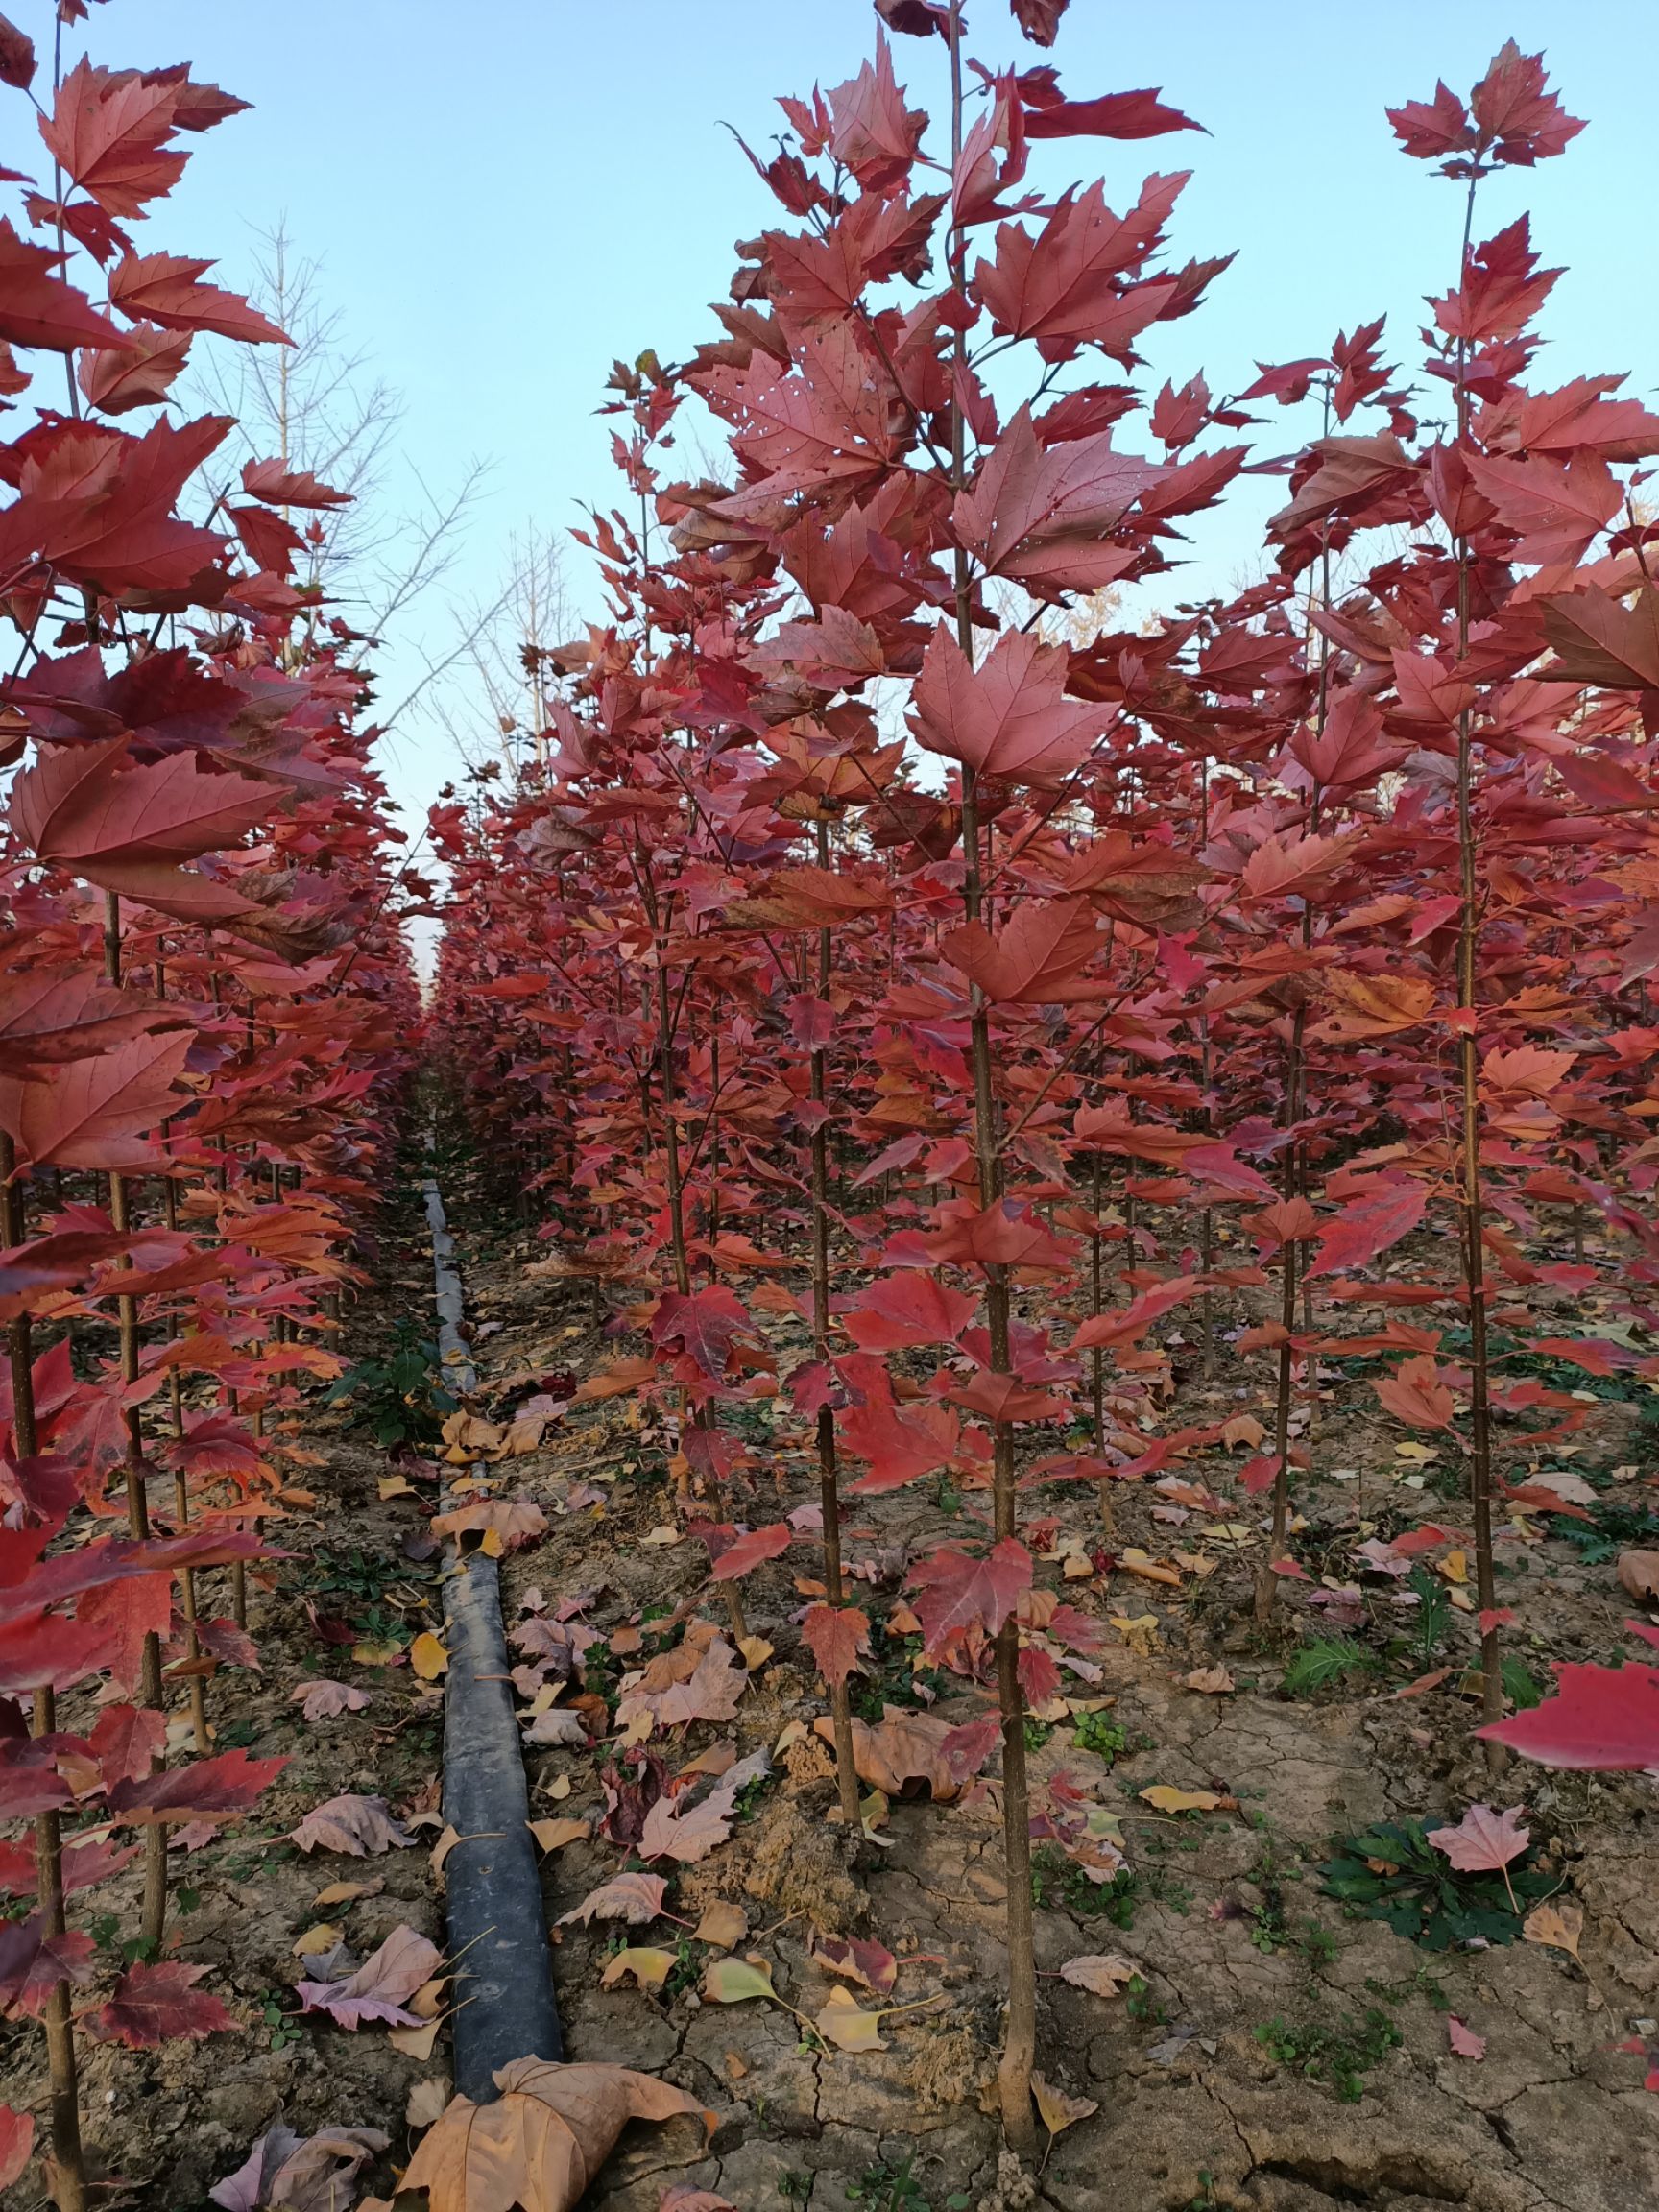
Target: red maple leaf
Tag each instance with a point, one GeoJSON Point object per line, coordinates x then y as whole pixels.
{"type": "Point", "coordinates": [157, 2004]}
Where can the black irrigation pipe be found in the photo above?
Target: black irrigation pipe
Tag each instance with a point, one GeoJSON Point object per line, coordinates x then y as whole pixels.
{"type": "Point", "coordinates": [498, 1927]}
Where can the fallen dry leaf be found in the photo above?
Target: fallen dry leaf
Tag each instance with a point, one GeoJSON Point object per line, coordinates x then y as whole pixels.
{"type": "Point", "coordinates": [842, 2022]}
{"type": "Point", "coordinates": [319, 1939]}
{"type": "Point", "coordinates": [648, 1969]}
{"type": "Point", "coordinates": [299, 2171]}
{"type": "Point", "coordinates": [1482, 1842]}
{"type": "Point", "coordinates": [722, 1926]}
{"type": "Point", "coordinates": [1103, 1973]}
{"type": "Point", "coordinates": [1211, 1681]}
{"type": "Point", "coordinates": [426, 2101]}
{"type": "Point", "coordinates": [1058, 2108]}
{"type": "Point", "coordinates": [1637, 1574]}
{"type": "Point", "coordinates": [354, 1825]}
{"type": "Point", "coordinates": [1558, 1926]}
{"type": "Point", "coordinates": [321, 1700]}
{"type": "Point", "coordinates": [682, 2196]}
{"type": "Point", "coordinates": [872, 1965]}
{"type": "Point", "coordinates": [554, 1835]}
{"type": "Point", "coordinates": [379, 1988]}
{"type": "Point", "coordinates": [1463, 2040]}
{"type": "Point", "coordinates": [427, 1656]}
{"type": "Point", "coordinates": [632, 1897]}
{"type": "Point", "coordinates": [347, 1893]}
{"type": "Point", "coordinates": [733, 1981]}
{"type": "Point", "coordinates": [906, 1746]}
{"type": "Point", "coordinates": [543, 2141]}
{"type": "Point", "coordinates": [1165, 1797]}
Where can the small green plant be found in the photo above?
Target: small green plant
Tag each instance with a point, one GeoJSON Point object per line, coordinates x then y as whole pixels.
{"type": "Point", "coordinates": [400, 1398]}
{"type": "Point", "coordinates": [1339, 2056]}
{"type": "Point", "coordinates": [1057, 1882]}
{"type": "Point", "coordinates": [1099, 1733]}
{"type": "Point", "coordinates": [1139, 2003]}
{"type": "Point", "coordinates": [1519, 1685]}
{"type": "Point", "coordinates": [1037, 1733]}
{"type": "Point", "coordinates": [1392, 1872]}
{"type": "Point", "coordinates": [105, 1931]}
{"type": "Point", "coordinates": [1324, 1660]}
{"type": "Point", "coordinates": [795, 2185]}
{"type": "Point", "coordinates": [281, 2027]}
{"type": "Point", "coordinates": [888, 2188]}
{"type": "Point", "coordinates": [1425, 1983]}
{"type": "Point", "coordinates": [1433, 1614]}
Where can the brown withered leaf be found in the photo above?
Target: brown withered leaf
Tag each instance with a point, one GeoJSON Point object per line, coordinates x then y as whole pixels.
{"type": "Point", "coordinates": [543, 2141]}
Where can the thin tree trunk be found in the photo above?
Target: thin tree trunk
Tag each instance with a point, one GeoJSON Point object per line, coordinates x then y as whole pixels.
{"type": "Point", "coordinates": [828, 1491]}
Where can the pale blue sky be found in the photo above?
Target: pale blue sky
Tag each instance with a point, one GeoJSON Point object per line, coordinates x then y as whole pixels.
{"type": "Point", "coordinates": [508, 196]}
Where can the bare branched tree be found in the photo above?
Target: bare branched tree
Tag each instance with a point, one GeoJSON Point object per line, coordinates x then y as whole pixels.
{"type": "Point", "coordinates": [318, 406]}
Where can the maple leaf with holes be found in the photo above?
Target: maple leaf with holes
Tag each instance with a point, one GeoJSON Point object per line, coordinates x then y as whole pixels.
{"type": "Point", "coordinates": [1044, 515]}
{"type": "Point", "coordinates": [960, 1593]}
{"type": "Point", "coordinates": [1482, 1842]}
{"type": "Point", "coordinates": [1071, 282]}
{"type": "Point", "coordinates": [703, 1325]}
{"type": "Point", "coordinates": [1008, 717]}
{"type": "Point", "coordinates": [838, 1637]}
{"type": "Point", "coordinates": [158, 2004]}
{"type": "Point", "coordinates": [108, 131]}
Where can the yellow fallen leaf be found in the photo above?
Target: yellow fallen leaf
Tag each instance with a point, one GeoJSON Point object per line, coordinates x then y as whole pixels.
{"type": "Point", "coordinates": [490, 1543]}
{"type": "Point", "coordinates": [649, 1968]}
{"type": "Point", "coordinates": [1059, 2110]}
{"type": "Point", "coordinates": [1421, 1453]}
{"type": "Point", "coordinates": [559, 1787]}
{"type": "Point", "coordinates": [416, 2042]}
{"type": "Point", "coordinates": [1139, 1630]}
{"type": "Point", "coordinates": [1455, 1567]}
{"type": "Point", "coordinates": [732, 1981]}
{"type": "Point", "coordinates": [844, 2023]}
{"type": "Point", "coordinates": [554, 1835]}
{"type": "Point", "coordinates": [375, 1654]}
{"type": "Point", "coordinates": [442, 1849]}
{"type": "Point", "coordinates": [1137, 1562]}
{"type": "Point", "coordinates": [395, 1487]}
{"type": "Point", "coordinates": [755, 1652]}
{"type": "Point", "coordinates": [661, 1535]}
{"type": "Point", "coordinates": [322, 1938]}
{"type": "Point", "coordinates": [1165, 1797]}
{"type": "Point", "coordinates": [1212, 1681]}
{"type": "Point", "coordinates": [1558, 1926]}
{"type": "Point", "coordinates": [427, 1656]}
{"type": "Point", "coordinates": [347, 1893]}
